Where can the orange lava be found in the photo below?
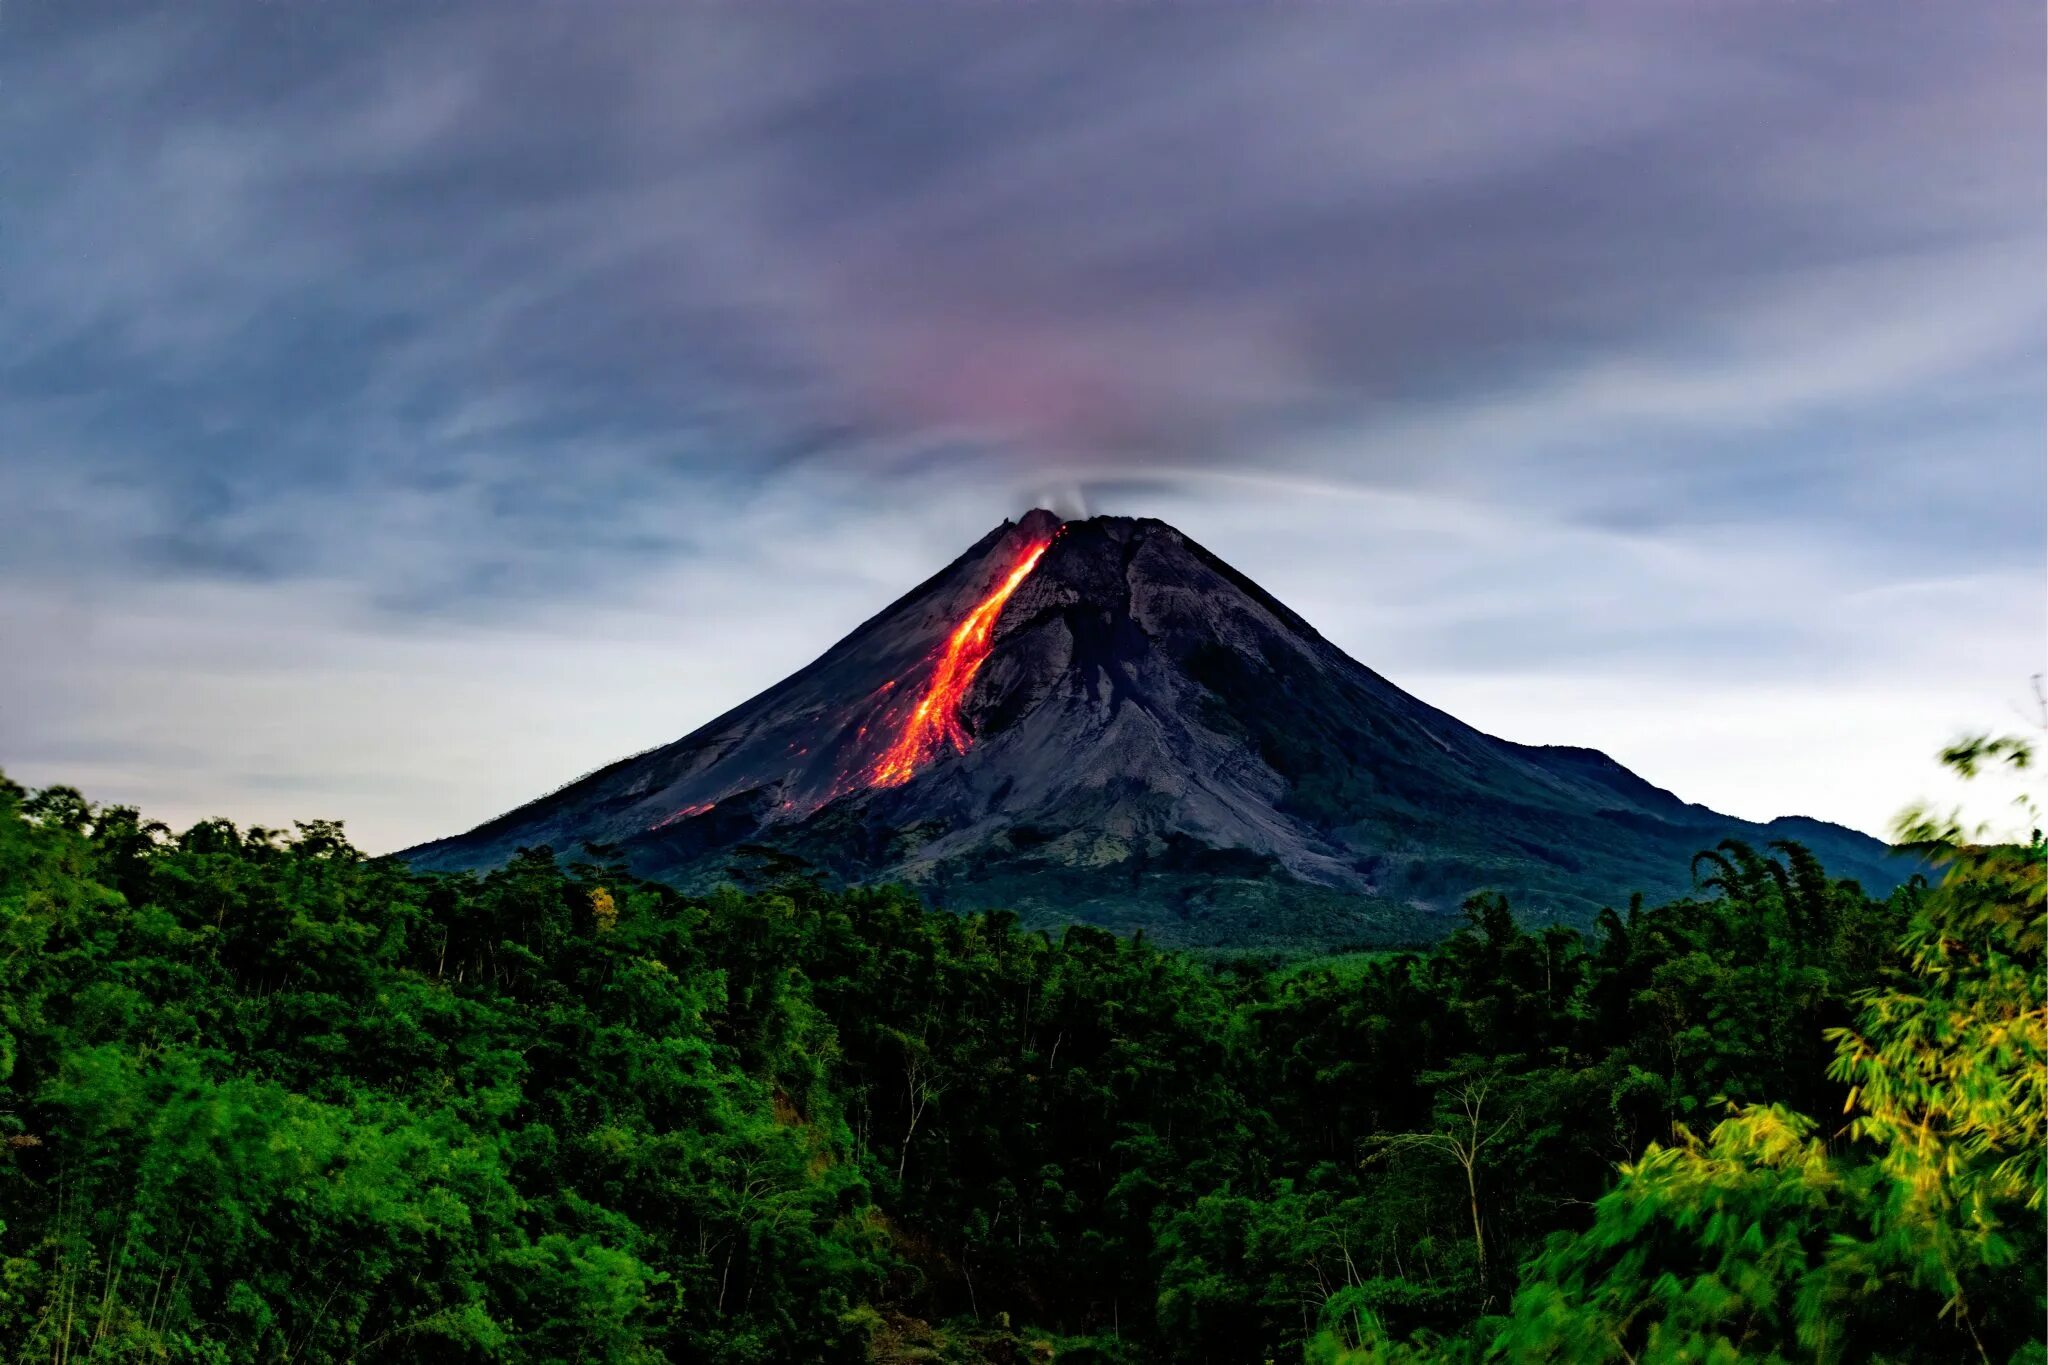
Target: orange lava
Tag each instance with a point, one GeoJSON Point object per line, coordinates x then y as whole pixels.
{"type": "Point", "coordinates": [936, 721]}
{"type": "Point", "coordinates": [687, 812]}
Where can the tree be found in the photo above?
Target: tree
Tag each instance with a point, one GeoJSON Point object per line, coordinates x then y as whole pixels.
{"type": "Point", "coordinates": [1470, 1119]}
{"type": "Point", "coordinates": [1920, 1239]}
{"type": "Point", "coordinates": [604, 911]}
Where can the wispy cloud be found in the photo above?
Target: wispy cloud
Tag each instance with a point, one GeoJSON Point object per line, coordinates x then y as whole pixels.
{"type": "Point", "coordinates": [1651, 341]}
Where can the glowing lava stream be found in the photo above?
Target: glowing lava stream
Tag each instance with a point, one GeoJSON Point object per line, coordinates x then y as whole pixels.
{"type": "Point", "coordinates": [937, 717]}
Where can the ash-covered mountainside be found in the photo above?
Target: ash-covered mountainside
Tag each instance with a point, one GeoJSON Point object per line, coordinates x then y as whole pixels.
{"type": "Point", "coordinates": [1101, 721]}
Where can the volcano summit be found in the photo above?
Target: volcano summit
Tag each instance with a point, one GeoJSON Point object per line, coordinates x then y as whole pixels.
{"type": "Point", "coordinates": [1101, 721]}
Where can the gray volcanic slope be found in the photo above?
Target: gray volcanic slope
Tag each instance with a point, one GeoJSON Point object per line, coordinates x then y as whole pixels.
{"type": "Point", "coordinates": [1151, 742]}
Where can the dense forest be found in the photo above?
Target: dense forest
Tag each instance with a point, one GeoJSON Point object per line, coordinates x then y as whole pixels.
{"type": "Point", "coordinates": [264, 1099]}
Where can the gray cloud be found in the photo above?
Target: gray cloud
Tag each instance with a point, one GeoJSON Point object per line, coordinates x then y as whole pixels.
{"type": "Point", "coordinates": [428, 319]}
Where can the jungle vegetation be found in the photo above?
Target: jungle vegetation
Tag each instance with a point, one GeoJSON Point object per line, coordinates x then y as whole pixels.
{"type": "Point", "coordinates": [265, 1099]}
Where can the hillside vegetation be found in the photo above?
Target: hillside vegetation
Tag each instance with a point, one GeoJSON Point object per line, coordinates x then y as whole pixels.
{"type": "Point", "coordinates": [263, 1099]}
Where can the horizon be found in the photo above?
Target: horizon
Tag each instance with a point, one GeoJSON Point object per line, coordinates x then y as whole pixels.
{"type": "Point", "coordinates": [1947, 788]}
{"type": "Point", "coordinates": [408, 409]}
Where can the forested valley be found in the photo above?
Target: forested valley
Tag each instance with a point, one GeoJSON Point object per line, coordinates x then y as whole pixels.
{"type": "Point", "coordinates": [265, 1099]}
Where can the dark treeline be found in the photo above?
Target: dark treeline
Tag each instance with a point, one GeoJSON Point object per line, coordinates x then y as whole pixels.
{"type": "Point", "coordinates": [263, 1099]}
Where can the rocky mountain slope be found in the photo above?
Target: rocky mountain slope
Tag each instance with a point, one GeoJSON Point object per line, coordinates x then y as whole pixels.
{"type": "Point", "coordinates": [1102, 721]}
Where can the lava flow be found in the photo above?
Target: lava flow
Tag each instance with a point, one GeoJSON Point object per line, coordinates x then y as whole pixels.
{"type": "Point", "coordinates": [936, 720]}
{"type": "Point", "coordinates": [687, 812]}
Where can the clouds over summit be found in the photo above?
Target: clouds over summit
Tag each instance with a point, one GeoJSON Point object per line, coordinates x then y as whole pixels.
{"type": "Point", "coordinates": [448, 316]}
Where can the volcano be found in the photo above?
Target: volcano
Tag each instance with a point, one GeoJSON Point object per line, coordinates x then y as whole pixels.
{"type": "Point", "coordinates": [1100, 721]}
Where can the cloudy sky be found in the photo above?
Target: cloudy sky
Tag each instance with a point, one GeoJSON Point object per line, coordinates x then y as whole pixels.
{"type": "Point", "coordinates": [406, 405]}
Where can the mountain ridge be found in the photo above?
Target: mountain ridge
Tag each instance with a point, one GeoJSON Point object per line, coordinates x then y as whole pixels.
{"type": "Point", "coordinates": [1128, 731]}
